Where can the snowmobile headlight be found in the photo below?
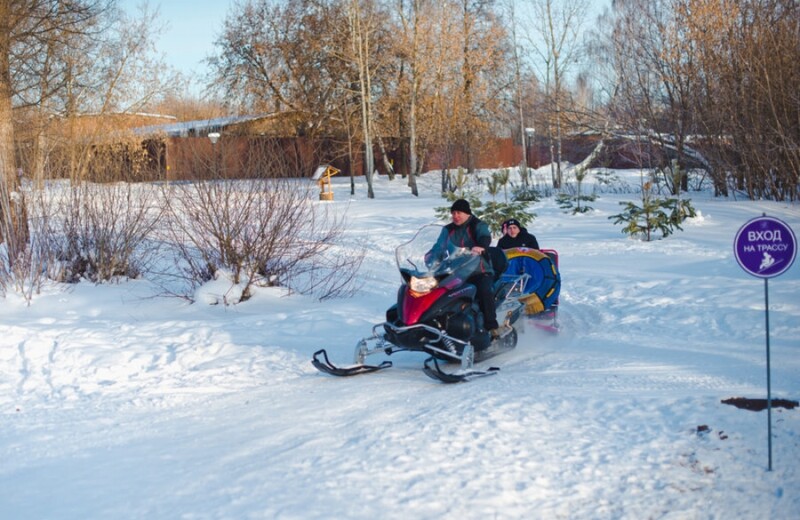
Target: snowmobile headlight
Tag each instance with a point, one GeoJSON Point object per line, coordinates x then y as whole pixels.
{"type": "Point", "coordinates": [423, 285]}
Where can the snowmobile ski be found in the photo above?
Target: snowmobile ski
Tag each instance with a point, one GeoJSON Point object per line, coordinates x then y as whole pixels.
{"type": "Point", "coordinates": [436, 372]}
{"type": "Point", "coordinates": [324, 365]}
{"type": "Point", "coordinates": [499, 346]}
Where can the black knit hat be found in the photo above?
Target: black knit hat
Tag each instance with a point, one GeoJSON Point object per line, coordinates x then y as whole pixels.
{"type": "Point", "coordinates": [512, 222]}
{"type": "Point", "coordinates": [462, 206]}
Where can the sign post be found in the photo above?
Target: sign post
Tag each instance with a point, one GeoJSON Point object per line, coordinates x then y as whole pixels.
{"type": "Point", "coordinates": [766, 247]}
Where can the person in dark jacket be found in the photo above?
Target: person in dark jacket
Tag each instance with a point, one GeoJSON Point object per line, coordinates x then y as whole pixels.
{"type": "Point", "coordinates": [516, 236]}
{"type": "Point", "coordinates": [468, 231]}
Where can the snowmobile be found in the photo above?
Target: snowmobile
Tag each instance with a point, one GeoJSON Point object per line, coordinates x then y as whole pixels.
{"type": "Point", "coordinates": [437, 313]}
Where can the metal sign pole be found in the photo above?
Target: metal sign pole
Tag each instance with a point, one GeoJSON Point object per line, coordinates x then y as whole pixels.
{"type": "Point", "coordinates": [769, 385]}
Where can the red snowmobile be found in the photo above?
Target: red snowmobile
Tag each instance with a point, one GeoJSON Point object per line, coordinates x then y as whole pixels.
{"type": "Point", "coordinates": [437, 313]}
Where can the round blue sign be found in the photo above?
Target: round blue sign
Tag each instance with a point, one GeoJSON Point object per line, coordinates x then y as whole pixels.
{"type": "Point", "coordinates": [765, 247]}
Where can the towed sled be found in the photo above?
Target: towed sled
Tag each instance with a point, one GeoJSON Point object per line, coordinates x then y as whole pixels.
{"type": "Point", "coordinates": [542, 286]}
{"type": "Point", "coordinates": [437, 311]}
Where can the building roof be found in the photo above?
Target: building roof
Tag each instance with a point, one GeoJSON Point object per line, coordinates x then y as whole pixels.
{"type": "Point", "coordinates": [199, 127]}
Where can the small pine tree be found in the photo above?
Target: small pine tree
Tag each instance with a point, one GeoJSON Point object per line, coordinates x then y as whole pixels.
{"type": "Point", "coordinates": [526, 193]}
{"type": "Point", "coordinates": [524, 174]}
{"type": "Point", "coordinates": [654, 215]}
{"type": "Point", "coordinates": [496, 213]}
{"type": "Point", "coordinates": [680, 210]}
{"type": "Point", "coordinates": [572, 203]}
{"type": "Point", "coordinates": [460, 183]}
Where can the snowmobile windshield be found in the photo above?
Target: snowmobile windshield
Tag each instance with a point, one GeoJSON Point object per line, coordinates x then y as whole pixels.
{"type": "Point", "coordinates": [430, 253]}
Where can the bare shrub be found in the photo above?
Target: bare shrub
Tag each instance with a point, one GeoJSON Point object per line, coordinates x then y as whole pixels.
{"type": "Point", "coordinates": [99, 232]}
{"type": "Point", "coordinates": [90, 231]}
{"type": "Point", "coordinates": [262, 229]}
{"type": "Point", "coordinates": [25, 274]}
{"type": "Point", "coordinates": [263, 232]}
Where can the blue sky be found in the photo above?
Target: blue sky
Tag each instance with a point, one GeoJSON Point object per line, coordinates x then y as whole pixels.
{"type": "Point", "coordinates": [191, 28]}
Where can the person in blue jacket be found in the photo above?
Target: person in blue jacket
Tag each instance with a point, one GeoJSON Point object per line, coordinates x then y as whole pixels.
{"type": "Point", "coordinates": [468, 231]}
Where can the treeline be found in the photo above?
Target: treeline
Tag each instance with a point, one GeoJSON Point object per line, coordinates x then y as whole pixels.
{"type": "Point", "coordinates": [436, 76]}
{"type": "Point", "coordinates": [712, 76]}
{"type": "Point", "coordinates": [718, 74]}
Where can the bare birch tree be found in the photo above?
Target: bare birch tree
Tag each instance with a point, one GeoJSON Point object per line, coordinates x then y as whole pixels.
{"type": "Point", "coordinates": [524, 84]}
{"type": "Point", "coordinates": [658, 75]}
{"type": "Point", "coordinates": [413, 55]}
{"type": "Point", "coordinates": [362, 28]}
{"type": "Point", "coordinates": [555, 39]}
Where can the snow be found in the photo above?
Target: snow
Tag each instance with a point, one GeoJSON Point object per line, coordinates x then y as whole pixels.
{"type": "Point", "coordinates": [118, 403]}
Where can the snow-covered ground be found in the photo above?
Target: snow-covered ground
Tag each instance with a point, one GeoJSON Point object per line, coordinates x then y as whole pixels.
{"type": "Point", "coordinates": [116, 404]}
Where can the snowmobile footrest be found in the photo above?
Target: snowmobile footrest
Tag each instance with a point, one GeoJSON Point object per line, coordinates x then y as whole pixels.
{"type": "Point", "coordinates": [324, 365]}
{"type": "Point", "coordinates": [436, 372]}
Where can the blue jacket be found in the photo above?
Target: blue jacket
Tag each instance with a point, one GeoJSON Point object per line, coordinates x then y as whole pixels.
{"type": "Point", "coordinates": [473, 232]}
